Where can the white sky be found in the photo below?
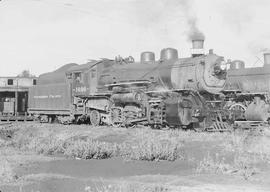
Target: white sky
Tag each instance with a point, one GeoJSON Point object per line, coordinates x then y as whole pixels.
{"type": "Point", "coordinates": [42, 35]}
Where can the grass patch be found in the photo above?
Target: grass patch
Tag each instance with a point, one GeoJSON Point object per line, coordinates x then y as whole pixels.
{"type": "Point", "coordinates": [126, 186]}
{"type": "Point", "coordinates": [241, 165]}
{"type": "Point", "coordinates": [145, 144]}
{"type": "Point", "coordinates": [6, 171]}
{"type": "Point", "coordinates": [244, 166]}
{"type": "Point", "coordinates": [254, 143]}
{"type": "Point", "coordinates": [90, 149]}
{"type": "Point", "coordinates": [212, 164]}
{"type": "Point", "coordinates": [152, 150]}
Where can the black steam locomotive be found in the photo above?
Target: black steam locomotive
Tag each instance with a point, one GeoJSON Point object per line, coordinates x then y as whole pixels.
{"type": "Point", "coordinates": [248, 91]}
{"type": "Point", "coordinates": [171, 91]}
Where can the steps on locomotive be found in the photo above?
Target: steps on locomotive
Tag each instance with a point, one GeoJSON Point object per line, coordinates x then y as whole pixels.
{"type": "Point", "coordinates": [219, 126]}
{"type": "Point", "coordinates": [157, 112]}
{"type": "Point", "coordinates": [243, 125]}
{"type": "Point", "coordinates": [248, 125]}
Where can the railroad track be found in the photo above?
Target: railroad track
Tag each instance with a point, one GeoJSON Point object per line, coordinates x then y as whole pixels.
{"type": "Point", "coordinates": [15, 118]}
{"type": "Point", "coordinates": [5, 123]}
{"type": "Point", "coordinates": [215, 127]}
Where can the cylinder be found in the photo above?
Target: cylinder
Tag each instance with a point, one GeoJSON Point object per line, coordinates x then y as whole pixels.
{"type": "Point", "coordinates": [147, 57]}
{"type": "Point", "coordinates": [197, 44]}
{"type": "Point", "coordinates": [266, 58]}
{"type": "Point", "coordinates": [257, 110]}
{"type": "Point", "coordinates": [168, 54]}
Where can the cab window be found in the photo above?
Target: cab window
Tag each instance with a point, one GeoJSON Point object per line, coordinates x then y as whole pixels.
{"type": "Point", "coordinates": [10, 81]}
{"type": "Point", "coordinates": [69, 75]}
{"type": "Point", "coordinates": [78, 76]}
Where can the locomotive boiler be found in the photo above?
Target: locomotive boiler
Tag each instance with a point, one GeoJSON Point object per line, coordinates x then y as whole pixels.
{"type": "Point", "coordinates": [251, 87]}
{"type": "Point", "coordinates": [170, 91]}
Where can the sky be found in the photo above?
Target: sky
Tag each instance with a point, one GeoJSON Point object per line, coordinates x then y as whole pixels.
{"type": "Point", "coordinates": [42, 35]}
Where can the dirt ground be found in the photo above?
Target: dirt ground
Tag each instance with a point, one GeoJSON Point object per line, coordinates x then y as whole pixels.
{"type": "Point", "coordinates": [52, 157]}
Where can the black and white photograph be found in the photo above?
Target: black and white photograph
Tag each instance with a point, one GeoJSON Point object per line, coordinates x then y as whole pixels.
{"type": "Point", "coordinates": [134, 96]}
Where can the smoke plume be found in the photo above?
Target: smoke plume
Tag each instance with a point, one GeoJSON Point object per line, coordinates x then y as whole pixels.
{"type": "Point", "coordinates": [194, 32]}
{"type": "Point", "coordinates": [163, 15]}
{"type": "Point", "coordinates": [190, 17]}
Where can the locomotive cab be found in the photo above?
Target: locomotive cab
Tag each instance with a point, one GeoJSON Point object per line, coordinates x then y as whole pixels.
{"type": "Point", "coordinates": [84, 79]}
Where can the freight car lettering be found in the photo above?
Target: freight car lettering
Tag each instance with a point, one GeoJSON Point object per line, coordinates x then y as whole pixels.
{"type": "Point", "coordinates": [47, 96]}
{"type": "Point", "coordinates": [55, 96]}
{"type": "Point", "coordinates": [41, 97]}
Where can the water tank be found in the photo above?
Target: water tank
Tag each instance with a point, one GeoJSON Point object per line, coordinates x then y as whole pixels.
{"type": "Point", "coordinates": [168, 54]}
{"type": "Point", "coordinates": [266, 58]}
{"type": "Point", "coordinates": [147, 57]}
{"type": "Point", "coordinates": [237, 64]}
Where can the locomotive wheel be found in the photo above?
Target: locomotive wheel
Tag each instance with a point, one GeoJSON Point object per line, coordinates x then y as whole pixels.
{"type": "Point", "coordinates": [95, 117]}
{"type": "Point", "coordinates": [116, 114]}
{"type": "Point", "coordinates": [238, 111]}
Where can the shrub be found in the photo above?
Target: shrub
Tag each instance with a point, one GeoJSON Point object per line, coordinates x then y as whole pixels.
{"type": "Point", "coordinates": [90, 149]}
{"type": "Point", "coordinates": [213, 165]}
{"type": "Point", "coordinates": [47, 146]}
{"type": "Point", "coordinates": [241, 165]}
{"type": "Point", "coordinates": [152, 149]}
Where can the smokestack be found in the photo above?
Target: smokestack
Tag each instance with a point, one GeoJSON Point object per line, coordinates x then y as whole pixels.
{"type": "Point", "coordinates": [197, 43]}
{"type": "Point", "coordinates": [266, 59]}
{"type": "Point", "coordinates": [197, 47]}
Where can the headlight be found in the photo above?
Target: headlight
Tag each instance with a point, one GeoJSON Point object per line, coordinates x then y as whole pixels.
{"type": "Point", "coordinates": [223, 65]}
{"type": "Point", "coordinates": [220, 70]}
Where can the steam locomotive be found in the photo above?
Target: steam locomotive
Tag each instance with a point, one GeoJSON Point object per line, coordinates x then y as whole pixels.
{"type": "Point", "coordinates": [171, 91]}
{"type": "Point", "coordinates": [248, 90]}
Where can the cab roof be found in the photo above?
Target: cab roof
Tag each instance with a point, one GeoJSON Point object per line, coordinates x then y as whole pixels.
{"type": "Point", "coordinates": [57, 76]}
{"type": "Point", "coordinates": [82, 67]}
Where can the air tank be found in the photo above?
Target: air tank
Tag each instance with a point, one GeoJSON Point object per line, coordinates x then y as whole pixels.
{"type": "Point", "coordinates": [168, 54]}
{"type": "Point", "coordinates": [147, 57]}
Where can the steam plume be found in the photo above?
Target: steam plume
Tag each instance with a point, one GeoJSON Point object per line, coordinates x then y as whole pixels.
{"type": "Point", "coordinates": [158, 19]}
{"type": "Point", "coordinates": [194, 32]}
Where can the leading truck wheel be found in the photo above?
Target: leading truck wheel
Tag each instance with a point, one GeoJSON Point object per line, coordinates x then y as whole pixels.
{"type": "Point", "coordinates": [95, 118]}
{"type": "Point", "coordinates": [237, 111]}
